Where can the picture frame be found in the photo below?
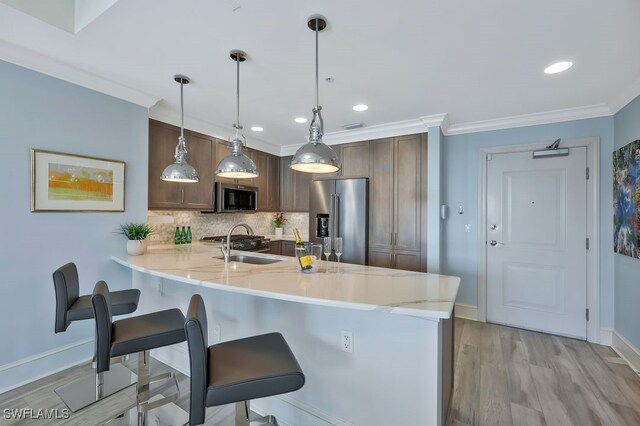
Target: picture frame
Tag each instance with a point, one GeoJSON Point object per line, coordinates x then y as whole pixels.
{"type": "Point", "coordinates": [62, 182]}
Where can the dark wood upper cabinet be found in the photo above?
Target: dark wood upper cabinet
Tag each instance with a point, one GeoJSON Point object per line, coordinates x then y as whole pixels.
{"type": "Point", "coordinates": [222, 149]}
{"type": "Point", "coordinates": [355, 159]}
{"type": "Point", "coordinates": [163, 139]}
{"type": "Point", "coordinates": [294, 188]}
{"type": "Point", "coordinates": [273, 183]}
{"type": "Point", "coordinates": [381, 189]}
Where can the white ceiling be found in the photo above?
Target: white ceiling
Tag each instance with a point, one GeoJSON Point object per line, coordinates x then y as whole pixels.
{"type": "Point", "coordinates": [405, 58]}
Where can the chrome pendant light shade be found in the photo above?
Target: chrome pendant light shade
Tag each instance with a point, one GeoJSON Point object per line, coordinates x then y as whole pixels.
{"type": "Point", "coordinates": [180, 171]}
{"type": "Point", "coordinates": [237, 164]}
{"type": "Point", "coordinates": [315, 156]}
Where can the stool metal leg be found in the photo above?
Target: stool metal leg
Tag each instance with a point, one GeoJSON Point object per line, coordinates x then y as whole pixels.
{"type": "Point", "coordinates": [246, 417]}
{"type": "Point", "coordinates": [144, 391]}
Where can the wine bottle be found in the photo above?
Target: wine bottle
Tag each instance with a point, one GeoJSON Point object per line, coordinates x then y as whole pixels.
{"type": "Point", "coordinates": [183, 236]}
{"type": "Point", "coordinates": [189, 235]}
{"type": "Point", "coordinates": [176, 236]}
{"type": "Point", "coordinates": [301, 252]}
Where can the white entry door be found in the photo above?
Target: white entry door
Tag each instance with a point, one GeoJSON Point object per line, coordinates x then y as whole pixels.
{"type": "Point", "coordinates": [536, 242]}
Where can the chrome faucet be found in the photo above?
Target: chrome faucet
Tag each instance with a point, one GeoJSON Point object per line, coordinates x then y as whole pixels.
{"type": "Point", "coordinates": [226, 248]}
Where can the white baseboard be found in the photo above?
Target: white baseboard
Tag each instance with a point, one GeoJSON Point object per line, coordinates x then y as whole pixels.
{"type": "Point", "coordinates": [469, 312]}
{"type": "Point", "coordinates": [626, 350]}
{"type": "Point", "coordinates": [35, 367]}
{"type": "Point", "coordinates": [606, 336]}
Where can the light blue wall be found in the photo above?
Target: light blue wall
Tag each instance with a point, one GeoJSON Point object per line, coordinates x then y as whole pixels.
{"type": "Point", "coordinates": [37, 111]}
{"type": "Point", "coordinates": [460, 186]}
{"type": "Point", "coordinates": [627, 269]}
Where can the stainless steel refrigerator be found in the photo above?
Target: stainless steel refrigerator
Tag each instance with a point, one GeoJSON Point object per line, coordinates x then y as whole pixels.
{"type": "Point", "coordinates": [340, 208]}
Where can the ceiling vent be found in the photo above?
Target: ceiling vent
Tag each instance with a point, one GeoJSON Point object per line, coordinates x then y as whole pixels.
{"type": "Point", "coordinates": [353, 126]}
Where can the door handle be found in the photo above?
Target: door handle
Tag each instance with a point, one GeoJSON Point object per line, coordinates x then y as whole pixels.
{"type": "Point", "coordinates": [495, 243]}
{"type": "Point", "coordinates": [181, 195]}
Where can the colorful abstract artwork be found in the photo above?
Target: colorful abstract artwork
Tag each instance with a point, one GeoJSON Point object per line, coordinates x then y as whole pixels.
{"type": "Point", "coordinates": [75, 183]}
{"type": "Point", "coordinates": [626, 199]}
{"type": "Point", "coordinates": [79, 183]}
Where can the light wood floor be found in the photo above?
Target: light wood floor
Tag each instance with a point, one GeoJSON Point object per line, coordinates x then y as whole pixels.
{"type": "Point", "coordinates": [504, 376]}
{"type": "Point", "coordinates": [507, 376]}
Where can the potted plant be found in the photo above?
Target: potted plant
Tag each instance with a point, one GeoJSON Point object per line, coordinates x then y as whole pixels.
{"type": "Point", "coordinates": [278, 221]}
{"type": "Point", "coordinates": [136, 234]}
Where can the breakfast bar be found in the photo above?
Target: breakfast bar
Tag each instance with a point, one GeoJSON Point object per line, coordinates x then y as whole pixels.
{"type": "Point", "coordinates": [395, 366]}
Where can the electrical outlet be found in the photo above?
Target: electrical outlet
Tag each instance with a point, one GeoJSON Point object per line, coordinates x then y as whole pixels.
{"type": "Point", "coordinates": [346, 341]}
{"type": "Point", "coordinates": [215, 330]}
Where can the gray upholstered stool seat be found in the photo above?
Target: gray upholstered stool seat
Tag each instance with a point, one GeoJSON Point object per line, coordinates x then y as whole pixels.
{"type": "Point", "coordinates": [122, 302]}
{"type": "Point", "coordinates": [138, 335]}
{"type": "Point", "coordinates": [236, 371]}
{"type": "Point", "coordinates": [251, 368]}
{"type": "Point", "coordinates": [70, 306]}
{"type": "Point", "coordinates": [145, 332]}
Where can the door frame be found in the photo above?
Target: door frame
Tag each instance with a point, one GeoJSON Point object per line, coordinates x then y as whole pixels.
{"type": "Point", "coordinates": [593, 225]}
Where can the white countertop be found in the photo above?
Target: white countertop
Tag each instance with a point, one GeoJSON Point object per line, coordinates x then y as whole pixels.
{"type": "Point", "coordinates": [354, 287]}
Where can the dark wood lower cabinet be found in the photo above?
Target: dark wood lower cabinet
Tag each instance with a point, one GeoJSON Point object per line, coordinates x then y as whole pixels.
{"type": "Point", "coordinates": [275, 247]}
{"type": "Point", "coordinates": [382, 258]}
{"type": "Point", "coordinates": [288, 248]}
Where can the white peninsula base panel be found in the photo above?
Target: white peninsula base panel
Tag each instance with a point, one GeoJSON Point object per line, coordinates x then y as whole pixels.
{"type": "Point", "coordinates": [399, 372]}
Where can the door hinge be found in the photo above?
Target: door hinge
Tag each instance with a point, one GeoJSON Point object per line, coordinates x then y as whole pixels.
{"type": "Point", "coordinates": [587, 244]}
{"type": "Point", "coordinates": [587, 173]}
{"type": "Point", "coordinates": [587, 314]}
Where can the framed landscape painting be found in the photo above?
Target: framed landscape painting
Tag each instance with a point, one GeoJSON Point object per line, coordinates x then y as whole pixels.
{"type": "Point", "coordinates": [75, 183]}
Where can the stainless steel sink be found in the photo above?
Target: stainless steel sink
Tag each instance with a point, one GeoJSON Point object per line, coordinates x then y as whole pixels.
{"type": "Point", "coordinates": [254, 260]}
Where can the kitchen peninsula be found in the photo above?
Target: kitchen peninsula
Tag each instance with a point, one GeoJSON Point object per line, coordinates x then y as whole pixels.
{"type": "Point", "coordinates": [400, 368]}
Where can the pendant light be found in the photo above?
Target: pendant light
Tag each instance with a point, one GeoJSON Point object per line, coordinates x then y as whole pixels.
{"type": "Point", "coordinates": [237, 164]}
{"type": "Point", "coordinates": [180, 171]}
{"type": "Point", "coordinates": [315, 156]}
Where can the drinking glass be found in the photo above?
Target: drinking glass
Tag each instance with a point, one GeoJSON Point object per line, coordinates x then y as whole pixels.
{"type": "Point", "coordinates": [338, 250]}
{"type": "Point", "coordinates": [327, 251]}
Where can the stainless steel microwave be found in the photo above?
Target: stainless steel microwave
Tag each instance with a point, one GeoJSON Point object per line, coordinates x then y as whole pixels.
{"type": "Point", "coordinates": [232, 197]}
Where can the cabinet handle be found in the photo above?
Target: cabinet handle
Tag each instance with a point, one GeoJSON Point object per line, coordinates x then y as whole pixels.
{"type": "Point", "coordinates": [395, 238]}
{"type": "Point", "coordinates": [394, 261]}
{"type": "Point", "coordinates": [181, 195]}
{"type": "Point", "coordinates": [391, 238]}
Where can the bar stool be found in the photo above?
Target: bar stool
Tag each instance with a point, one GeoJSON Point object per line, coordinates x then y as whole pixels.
{"type": "Point", "coordinates": [70, 307]}
{"type": "Point", "coordinates": [236, 371]}
{"type": "Point", "coordinates": [139, 335]}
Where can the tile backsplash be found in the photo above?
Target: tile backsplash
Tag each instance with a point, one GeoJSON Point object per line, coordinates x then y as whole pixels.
{"type": "Point", "coordinates": [203, 225]}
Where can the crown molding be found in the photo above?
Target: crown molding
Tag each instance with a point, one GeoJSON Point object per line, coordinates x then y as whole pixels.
{"type": "Point", "coordinates": [623, 98]}
{"type": "Point", "coordinates": [165, 115]}
{"type": "Point", "coordinates": [26, 58]}
{"type": "Point", "coordinates": [378, 131]}
{"type": "Point", "coordinates": [548, 117]}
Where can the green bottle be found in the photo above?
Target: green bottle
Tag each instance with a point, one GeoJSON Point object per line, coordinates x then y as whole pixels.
{"type": "Point", "coordinates": [176, 236]}
{"type": "Point", "coordinates": [189, 235]}
{"type": "Point", "coordinates": [183, 236]}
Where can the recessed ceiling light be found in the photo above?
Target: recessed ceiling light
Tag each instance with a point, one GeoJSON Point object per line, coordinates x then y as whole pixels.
{"type": "Point", "coordinates": [257, 129]}
{"type": "Point", "coordinates": [300, 120]}
{"type": "Point", "coordinates": [558, 67]}
{"type": "Point", "coordinates": [360, 107]}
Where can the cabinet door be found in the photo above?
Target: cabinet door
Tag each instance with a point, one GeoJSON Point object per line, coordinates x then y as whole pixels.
{"type": "Point", "coordinates": [199, 196]}
{"type": "Point", "coordinates": [381, 194]}
{"type": "Point", "coordinates": [407, 260]}
{"type": "Point", "coordinates": [381, 257]}
{"type": "Point", "coordinates": [301, 191]}
{"type": "Point", "coordinates": [273, 183]}
{"type": "Point", "coordinates": [163, 139]}
{"type": "Point", "coordinates": [275, 247]}
{"type": "Point", "coordinates": [222, 150]}
{"type": "Point", "coordinates": [288, 248]}
{"type": "Point", "coordinates": [262, 181]}
{"type": "Point", "coordinates": [407, 190]}
{"type": "Point", "coordinates": [286, 185]}
{"type": "Point", "coordinates": [355, 159]}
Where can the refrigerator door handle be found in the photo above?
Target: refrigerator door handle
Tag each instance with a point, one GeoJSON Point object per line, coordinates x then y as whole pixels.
{"type": "Point", "coordinates": [336, 212]}
{"type": "Point", "coordinates": [332, 218]}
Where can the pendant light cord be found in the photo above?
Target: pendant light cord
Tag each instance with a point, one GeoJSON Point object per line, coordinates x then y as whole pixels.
{"type": "Point", "coordinates": [317, 23]}
{"type": "Point", "coordinates": [181, 110]}
{"type": "Point", "coordinates": [238, 127]}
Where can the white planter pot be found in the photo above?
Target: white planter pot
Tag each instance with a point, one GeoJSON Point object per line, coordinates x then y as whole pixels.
{"type": "Point", "coordinates": [136, 247]}
{"type": "Point", "coordinates": [278, 232]}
